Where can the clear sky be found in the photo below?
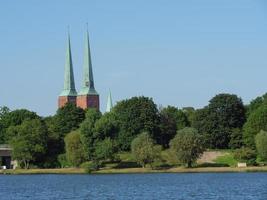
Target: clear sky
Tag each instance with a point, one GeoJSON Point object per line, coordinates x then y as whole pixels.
{"type": "Point", "coordinates": [179, 53]}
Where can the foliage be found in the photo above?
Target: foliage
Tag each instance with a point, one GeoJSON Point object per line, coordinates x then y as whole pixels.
{"type": "Point", "coordinates": [74, 149]}
{"type": "Point", "coordinates": [105, 150]}
{"type": "Point", "coordinates": [256, 122]}
{"type": "Point", "coordinates": [236, 140]}
{"type": "Point", "coordinates": [144, 150]}
{"type": "Point", "coordinates": [88, 132]}
{"type": "Point", "coordinates": [29, 144]}
{"type": "Point", "coordinates": [256, 103]}
{"type": "Point", "coordinates": [13, 118]}
{"type": "Point", "coordinates": [246, 155]}
{"type": "Point", "coordinates": [189, 112]}
{"type": "Point", "coordinates": [62, 159]}
{"type": "Point", "coordinates": [68, 118]}
{"type": "Point", "coordinates": [171, 120]}
{"type": "Point", "coordinates": [187, 146]}
{"type": "Point", "coordinates": [216, 121]}
{"type": "Point", "coordinates": [134, 116]}
{"type": "Point", "coordinates": [261, 145]}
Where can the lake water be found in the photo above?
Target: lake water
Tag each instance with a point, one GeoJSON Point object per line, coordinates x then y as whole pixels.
{"type": "Point", "coordinates": [186, 186]}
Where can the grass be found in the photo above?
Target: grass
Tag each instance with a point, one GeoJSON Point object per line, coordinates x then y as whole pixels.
{"type": "Point", "coordinates": [227, 160]}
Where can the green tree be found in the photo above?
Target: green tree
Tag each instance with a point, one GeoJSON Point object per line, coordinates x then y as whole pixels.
{"type": "Point", "coordinates": [236, 139]}
{"type": "Point", "coordinates": [29, 145]}
{"type": "Point", "coordinates": [13, 118]}
{"type": "Point", "coordinates": [134, 116]}
{"type": "Point", "coordinates": [144, 150]}
{"type": "Point", "coordinates": [256, 103]}
{"type": "Point", "coordinates": [261, 145]}
{"type": "Point", "coordinates": [88, 136]}
{"type": "Point", "coordinates": [68, 118]}
{"type": "Point", "coordinates": [105, 150]}
{"type": "Point", "coordinates": [216, 121]}
{"type": "Point", "coordinates": [74, 148]}
{"type": "Point", "coordinates": [171, 120]}
{"type": "Point", "coordinates": [256, 122]}
{"type": "Point", "coordinates": [187, 146]}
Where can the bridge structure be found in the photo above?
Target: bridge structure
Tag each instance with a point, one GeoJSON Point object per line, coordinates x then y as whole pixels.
{"type": "Point", "coordinates": [5, 156]}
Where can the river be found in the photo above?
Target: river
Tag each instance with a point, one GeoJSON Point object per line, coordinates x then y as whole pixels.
{"type": "Point", "coordinates": [181, 186]}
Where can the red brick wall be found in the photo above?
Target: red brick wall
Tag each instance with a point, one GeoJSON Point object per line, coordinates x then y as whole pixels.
{"type": "Point", "coordinates": [88, 101]}
{"type": "Point", "coordinates": [62, 100]}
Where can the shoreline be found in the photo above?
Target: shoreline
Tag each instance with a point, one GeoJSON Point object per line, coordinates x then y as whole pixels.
{"type": "Point", "coordinates": [134, 170]}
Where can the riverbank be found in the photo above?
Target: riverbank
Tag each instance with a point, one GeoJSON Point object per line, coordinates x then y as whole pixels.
{"type": "Point", "coordinates": [136, 170]}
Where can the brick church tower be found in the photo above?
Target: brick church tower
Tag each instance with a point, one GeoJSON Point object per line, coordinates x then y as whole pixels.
{"type": "Point", "coordinates": [88, 96]}
{"type": "Point", "coordinates": [68, 93]}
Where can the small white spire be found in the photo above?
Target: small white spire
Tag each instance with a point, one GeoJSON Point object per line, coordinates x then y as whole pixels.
{"type": "Point", "coordinates": [109, 103]}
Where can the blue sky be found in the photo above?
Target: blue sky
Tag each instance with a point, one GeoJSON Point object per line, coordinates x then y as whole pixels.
{"type": "Point", "coordinates": [179, 53]}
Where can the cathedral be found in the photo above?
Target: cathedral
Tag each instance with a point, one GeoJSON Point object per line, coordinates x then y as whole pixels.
{"type": "Point", "coordinates": [87, 97]}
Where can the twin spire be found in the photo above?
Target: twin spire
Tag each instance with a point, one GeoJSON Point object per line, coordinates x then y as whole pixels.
{"type": "Point", "coordinates": [88, 79]}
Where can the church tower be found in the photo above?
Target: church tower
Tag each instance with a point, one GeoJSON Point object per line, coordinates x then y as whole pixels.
{"type": "Point", "coordinates": [109, 103]}
{"type": "Point", "coordinates": [88, 96]}
{"type": "Point", "coordinates": [68, 93]}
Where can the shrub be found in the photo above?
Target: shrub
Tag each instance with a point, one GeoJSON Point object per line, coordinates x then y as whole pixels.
{"type": "Point", "coordinates": [90, 166]}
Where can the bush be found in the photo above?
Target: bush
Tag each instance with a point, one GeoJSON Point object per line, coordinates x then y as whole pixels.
{"type": "Point", "coordinates": [261, 145]}
{"type": "Point", "coordinates": [246, 155]}
{"type": "Point", "coordinates": [187, 146]}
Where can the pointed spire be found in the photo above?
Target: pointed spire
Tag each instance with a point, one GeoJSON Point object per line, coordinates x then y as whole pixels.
{"type": "Point", "coordinates": [88, 78]}
{"type": "Point", "coordinates": [69, 84]}
{"type": "Point", "coordinates": [109, 103]}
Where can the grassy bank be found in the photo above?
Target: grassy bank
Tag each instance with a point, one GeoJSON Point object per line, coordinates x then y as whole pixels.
{"type": "Point", "coordinates": [137, 170]}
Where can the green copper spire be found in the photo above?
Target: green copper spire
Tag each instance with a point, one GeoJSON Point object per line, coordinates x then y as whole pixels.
{"type": "Point", "coordinates": [88, 79]}
{"type": "Point", "coordinates": [109, 103]}
{"type": "Point", "coordinates": [69, 85]}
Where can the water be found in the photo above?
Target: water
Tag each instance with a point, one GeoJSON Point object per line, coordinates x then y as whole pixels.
{"type": "Point", "coordinates": [200, 186]}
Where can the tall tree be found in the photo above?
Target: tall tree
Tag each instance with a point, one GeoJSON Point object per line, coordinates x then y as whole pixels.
{"type": "Point", "coordinates": [88, 136]}
{"type": "Point", "coordinates": [134, 116]}
{"type": "Point", "coordinates": [68, 118]}
{"type": "Point", "coordinates": [224, 113]}
{"type": "Point", "coordinates": [171, 120]}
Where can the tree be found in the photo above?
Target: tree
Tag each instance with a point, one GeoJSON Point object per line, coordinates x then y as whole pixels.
{"type": "Point", "coordinates": [13, 118]}
{"type": "Point", "coordinates": [187, 146]}
{"type": "Point", "coordinates": [107, 126]}
{"type": "Point", "coordinates": [256, 103]}
{"type": "Point", "coordinates": [216, 121]}
{"type": "Point", "coordinates": [144, 150]}
{"type": "Point", "coordinates": [261, 144]}
{"type": "Point", "coordinates": [87, 130]}
{"type": "Point", "coordinates": [74, 148]}
{"type": "Point", "coordinates": [256, 122]}
{"type": "Point", "coordinates": [68, 118]}
{"type": "Point", "coordinates": [134, 116]}
{"type": "Point", "coordinates": [171, 120]}
{"type": "Point", "coordinates": [29, 145]}
{"type": "Point", "coordinates": [236, 140]}
{"type": "Point", "coordinates": [105, 150]}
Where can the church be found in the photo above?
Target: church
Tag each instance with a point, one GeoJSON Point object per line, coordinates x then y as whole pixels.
{"type": "Point", "coordinates": [87, 97]}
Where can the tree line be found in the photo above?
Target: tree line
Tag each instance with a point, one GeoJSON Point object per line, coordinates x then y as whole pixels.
{"type": "Point", "coordinates": [74, 136]}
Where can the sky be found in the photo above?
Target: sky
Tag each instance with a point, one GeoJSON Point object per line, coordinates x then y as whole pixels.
{"type": "Point", "coordinates": [179, 53]}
